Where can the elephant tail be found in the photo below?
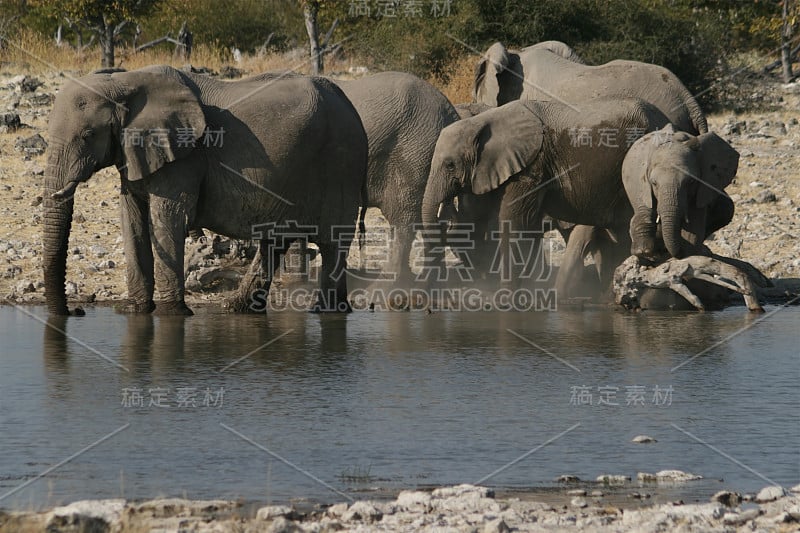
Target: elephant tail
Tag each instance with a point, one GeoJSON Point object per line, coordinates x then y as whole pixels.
{"type": "Point", "coordinates": [695, 113]}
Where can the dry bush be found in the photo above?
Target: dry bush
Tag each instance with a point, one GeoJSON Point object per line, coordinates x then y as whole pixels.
{"type": "Point", "coordinates": [31, 53]}
{"type": "Point", "coordinates": [458, 84]}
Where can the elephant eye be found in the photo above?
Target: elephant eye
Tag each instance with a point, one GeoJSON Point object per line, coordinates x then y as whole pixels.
{"type": "Point", "coordinates": [85, 134]}
{"type": "Point", "coordinates": [450, 165]}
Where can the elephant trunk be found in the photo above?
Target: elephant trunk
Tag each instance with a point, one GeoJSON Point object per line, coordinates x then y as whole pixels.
{"type": "Point", "coordinates": [436, 193]}
{"type": "Point", "coordinates": [671, 211]}
{"type": "Point", "coordinates": [57, 218]}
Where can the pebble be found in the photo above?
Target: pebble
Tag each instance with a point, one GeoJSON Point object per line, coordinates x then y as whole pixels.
{"type": "Point", "coordinates": [613, 479]}
{"type": "Point", "coordinates": [643, 439]}
{"type": "Point", "coordinates": [576, 492]}
{"type": "Point", "coordinates": [568, 478]}
{"type": "Point", "coordinates": [766, 197]}
{"type": "Point", "coordinates": [579, 502]}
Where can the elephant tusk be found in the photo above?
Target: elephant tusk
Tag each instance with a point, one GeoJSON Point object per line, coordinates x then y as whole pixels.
{"type": "Point", "coordinates": [66, 192]}
{"type": "Point", "coordinates": [658, 219]}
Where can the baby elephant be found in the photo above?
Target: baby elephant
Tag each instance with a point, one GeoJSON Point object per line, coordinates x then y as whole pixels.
{"type": "Point", "coordinates": [676, 181]}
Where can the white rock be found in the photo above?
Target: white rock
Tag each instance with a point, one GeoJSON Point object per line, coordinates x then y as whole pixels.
{"type": "Point", "coordinates": [768, 494]}
{"type": "Point", "coordinates": [795, 489]}
{"type": "Point", "coordinates": [413, 500]}
{"type": "Point", "coordinates": [364, 511]}
{"type": "Point", "coordinates": [337, 510]}
{"type": "Point", "coordinates": [576, 492]}
{"type": "Point", "coordinates": [273, 511]}
{"type": "Point", "coordinates": [676, 476]}
{"type": "Point", "coordinates": [613, 479]}
{"type": "Point", "coordinates": [578, 502]}
{"type": "Point", "coordinates": [643, 439]}
{"type": "Point", "coordinates": [726, 497]}
{"type": "Point", "coordinates": [84, 511]}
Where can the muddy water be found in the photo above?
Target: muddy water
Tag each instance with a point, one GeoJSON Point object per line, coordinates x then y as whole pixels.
{"type": "Point", "coordinates": [292, 405]}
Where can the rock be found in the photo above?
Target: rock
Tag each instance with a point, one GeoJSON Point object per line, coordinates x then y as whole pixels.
{"type": "Point", "coordinates": [33, 145]}
{"type": "Point", "coordinates": [106, 265]}
{"type": "Point", "coordinates": [769, 494]}
{"type": "Point", "coordinates": [274, 511]}
{"type": "Point", "coordinates": [10, 122]}
{"type": "Point", "coordinates": [363, 511]}
{"type": "Point", "coordinates": [98, 250]}
{"type": "Point", "coordinates": [795, 489]}
{"type": "Point", "coordinates": [497, 525]}
{"type": "Point", "coordinates": [282, 525]}
{"type": "Point", "coordinates": [337, 510]}
{"type": "Point", "coordinates": [597, 494]}
{"type": "Point", "coordinates": [24, 287]}
{"type": "Point", "coordinates": [86, 515]}
{"type": "Point", "coordinates": [576, 492]}
{"type": "Point", "coordinates": [29, 85]}
{"type": "Point", "coordinates": [78, 218]}
{"type": "Point", "coordinates": [578, 502]}
{"type": "Point", "coordinates": [727, 498]}
{"type": "Point", "coordinates": [766, 197]}
{"type": "Point", "coordinates": [734, 519]}
{"type": "Point", "coordinates": [413, 500]}
{"type": "Point", "coordinates": [36, 202]}
{"type": "Point", "coordinates": [676, 476]}
{"type": "Point", "coordinates": [613, 479]}
{"type": "Point", "coordinates": [568, 478]}
{"type": "Point", "coordinates": [756, 184]}
{"type": "Point", "coordinates": [70, 288]}
{"type": "Point", "coordinates": [644, 477]}
{"type": "Point", "coordinates": [643, 439]}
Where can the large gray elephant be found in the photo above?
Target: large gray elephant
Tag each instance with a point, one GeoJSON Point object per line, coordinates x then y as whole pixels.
{"type": "Point", "coordinates": [549, 72]}
{"type": "Point", "coordinates": [529, 153]}
{"type": "Point", "coordinates": [481, 213]}
{"type": "Point", "coordinates": [255, 154]}
{"type": "Point", "coordinates": [403, 116]}
{"type": "Point", "coordinates": [675, 182]}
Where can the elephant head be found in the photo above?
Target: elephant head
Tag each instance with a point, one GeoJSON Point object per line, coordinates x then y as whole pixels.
{"type": "Point", "coordinates": [677, 179]}
{"type": "Point", "coordinates": [499, 75]}
{"type": "Point", "coordinates": [138, 121]}
{"type": "Point", "coordinates": [481, 153]}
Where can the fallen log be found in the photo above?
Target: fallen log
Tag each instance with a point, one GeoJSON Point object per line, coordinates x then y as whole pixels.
{"type": "Point", "coordinates": [632, 277]}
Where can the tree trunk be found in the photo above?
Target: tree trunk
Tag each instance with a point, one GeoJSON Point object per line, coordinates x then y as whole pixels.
{"type": "Point", "coordinates": [786, 48]}
{"type": "Point", "coordinates": [107, 44]}
{"type": "Point", "coordinates": [310, 11]}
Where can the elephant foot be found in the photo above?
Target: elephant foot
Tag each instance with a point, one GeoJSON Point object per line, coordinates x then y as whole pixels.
{"type": "Point", "coordinates": [170, 308]}
{"type": "Point", "coordinates": [133, 307]}
{"type": "Point", "coordinates": [245, 305]}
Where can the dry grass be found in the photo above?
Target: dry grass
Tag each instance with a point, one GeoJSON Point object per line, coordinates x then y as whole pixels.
{"type": "Point", "coordinates": [32, 53]}
{"type": "Point", "coordinates": [458, 88]}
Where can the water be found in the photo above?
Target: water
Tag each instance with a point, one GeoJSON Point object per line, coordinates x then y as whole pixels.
{"type": "Point", "coordinates": [294, 406]}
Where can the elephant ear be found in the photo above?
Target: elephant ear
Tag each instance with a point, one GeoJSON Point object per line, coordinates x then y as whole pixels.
{"type": "Point", "coordinates": [510, 139]}
{"type": "Point", "coordinates": [486, 86]}
{"type": "Point", "coordinates": [636, 171]}
{"type": "Point", "coordinates": [718, 163]}
{"type": "Point", "coordinates": [162, 121]}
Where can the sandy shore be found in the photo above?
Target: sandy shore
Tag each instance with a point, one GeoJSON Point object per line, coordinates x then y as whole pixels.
{"type": "Point", "coordinates": [464, 508]}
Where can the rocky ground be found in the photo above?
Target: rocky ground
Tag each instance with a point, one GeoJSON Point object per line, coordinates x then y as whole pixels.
{"type": "Point", "coordinates": [464, 508]}
{"type": "Point", "coordinates": [764, 231]}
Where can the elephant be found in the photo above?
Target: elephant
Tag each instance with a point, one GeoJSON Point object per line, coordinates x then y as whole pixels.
{"type": "Point", "coordinates": [581, 240]}
{"type": "Point", "coordinates": [549, 71]}
{"type": "Point", "coordinates": [403, 116]}
{"type": "Point", "coordinates": [526, 152]}
{"type": "Point", "coordinates": [235, 157]}
{"type": "Point", "coordinates": [675, 183]}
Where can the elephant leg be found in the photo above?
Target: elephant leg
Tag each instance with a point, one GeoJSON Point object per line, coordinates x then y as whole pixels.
{"type": "Point", "coordinates": [404, 238]}
{"type": "Point", "coordinates": [610, 252]}
{"type": "Point", "coordinates": [168, 224]}
{"type": "Point", "coordinates": [332, 296]}
{"type": "Point", "coordinates": [570, 273]}
{"type": "Point", "coordinates": [520, 245]}
{"type": "Point", "coordinates": [253, 293]}
{"type": "Point", "coordinates": [139, 254]}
